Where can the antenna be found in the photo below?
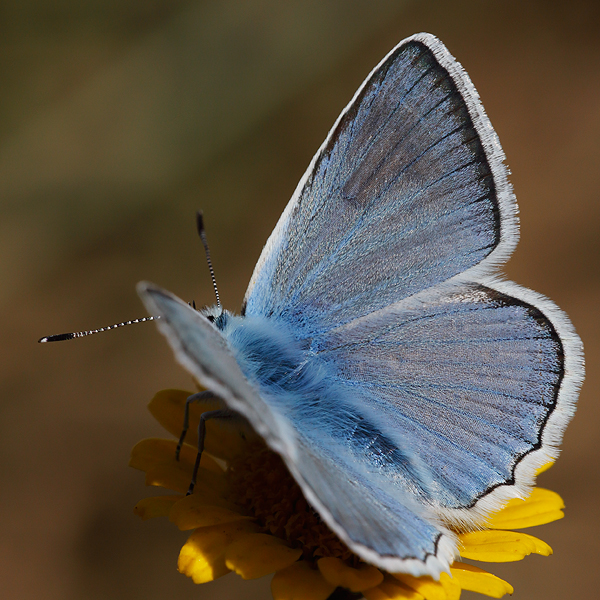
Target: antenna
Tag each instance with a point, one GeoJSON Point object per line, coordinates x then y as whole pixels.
{"type": "Point", "coordinates": [202, 234]}
{"type": "Point", "coordinates": [59, 337]}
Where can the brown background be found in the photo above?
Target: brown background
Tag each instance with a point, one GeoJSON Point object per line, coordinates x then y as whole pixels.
{"type": "Point", "coordinates": [118, 119]}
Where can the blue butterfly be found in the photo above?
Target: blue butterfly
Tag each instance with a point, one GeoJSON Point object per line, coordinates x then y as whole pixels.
{"type": "Point", "coordinates": [409, 390]}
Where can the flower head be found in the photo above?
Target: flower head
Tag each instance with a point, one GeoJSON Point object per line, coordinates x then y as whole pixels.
{"type": "Point", "coordinates": [249, 516]}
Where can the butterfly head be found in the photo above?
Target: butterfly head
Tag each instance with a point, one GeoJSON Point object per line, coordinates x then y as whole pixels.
{"type": "Point", "coordinates": [216, 315]}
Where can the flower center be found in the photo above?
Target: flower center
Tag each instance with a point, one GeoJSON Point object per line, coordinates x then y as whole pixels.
{"type": "Point", "coordinates": [263, 487]}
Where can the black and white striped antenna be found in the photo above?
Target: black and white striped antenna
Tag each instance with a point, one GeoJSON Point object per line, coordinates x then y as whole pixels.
{"type": "Point", "coordinates": [60, 337]}
{"type": "Point", "coordinates": [202, 234]}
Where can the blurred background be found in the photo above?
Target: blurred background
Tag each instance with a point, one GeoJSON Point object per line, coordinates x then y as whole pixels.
{"type": "Point", "coordinates": [118, 119]}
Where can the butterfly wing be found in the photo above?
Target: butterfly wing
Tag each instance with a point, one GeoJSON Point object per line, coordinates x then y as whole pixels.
{"type": "Point", "coordinates": [407, 191]}
{"type": "Point", "coordinates": [384, 526]}
{"type": "Point", "coordinates": [482, 380]}
{"type": "Point", "coordinates": [203, 351]}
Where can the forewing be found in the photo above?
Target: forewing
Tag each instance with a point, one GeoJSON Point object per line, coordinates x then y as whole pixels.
{"type": "Point", "coordinates": [408, 191]}
{"type": "Point", "coordinates": [482, 382]}
{"type": "Point", "coordinates": [381, 523]}
{"type": "Point", "coordinates": [203, 351]}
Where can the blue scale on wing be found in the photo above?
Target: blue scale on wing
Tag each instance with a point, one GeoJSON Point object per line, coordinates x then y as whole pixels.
{"type": "Point", "coordinates": [383, 520]}
{"type": "Point", "coordinates": [470, 378]}
{"type": "Point", "coordinates": [298, 385]}
{"type": "Point", "coordinates": [400, 199]}
{"type": "Point", "coordinates": [361, 427]}
{"type": "Point", "coordinates": [374, 486]}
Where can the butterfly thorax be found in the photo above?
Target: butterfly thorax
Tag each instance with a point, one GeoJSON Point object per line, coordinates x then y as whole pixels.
{"type": "Point", "coordinates": [270, 356]}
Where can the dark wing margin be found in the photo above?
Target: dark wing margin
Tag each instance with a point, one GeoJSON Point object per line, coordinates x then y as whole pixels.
{"type": "Point", "coordinates": [408, 190]}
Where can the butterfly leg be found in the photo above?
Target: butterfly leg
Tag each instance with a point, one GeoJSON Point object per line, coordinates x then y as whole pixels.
{"type": "Point", "coordinates": [211, 414]}
{"type": "Point", "coordinates": [199, 397]}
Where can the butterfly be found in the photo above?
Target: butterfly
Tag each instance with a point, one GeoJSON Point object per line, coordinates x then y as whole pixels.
{"type": "Point", "coordinates": [408, 388]}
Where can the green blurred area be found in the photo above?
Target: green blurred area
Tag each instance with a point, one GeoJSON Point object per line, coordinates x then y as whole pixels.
{"type": "Point", "coordinates": [119, 119]}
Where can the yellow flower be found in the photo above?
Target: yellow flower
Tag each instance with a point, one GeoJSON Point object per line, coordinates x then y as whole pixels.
{"type": "Point", "coordinates": [248, 515]}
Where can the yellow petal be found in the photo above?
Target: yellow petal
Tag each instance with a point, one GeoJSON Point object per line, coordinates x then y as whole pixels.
{"type": "Point", "coordinates": [542, 506]}
{"type": "Point", "coordinates": [157, 506]}
{"type": "Point", "coordinates": [177, 476]}
{"type": "Point", "coordinates": [203, 555]}
{"type": "Point", "coordinates": [477, 580]}
{"type": "Point", "coordinates": [545, 467]}
{"type": "Point", "coordinates": [392, 589]}
{"type": "Point", "coordinates": [222, 440]}
{"type": "Point", "coordinates": [452, 587]}
{"type": "Point", "coordinates": [178, 479]}
{"type": "Point", "coordinates": [425, 586]}
{"type": "Point", "coordinates": [444, 589]}
{"type": "Point", "coordinates": [154, 451]}
{"type": "Point", "coordinates": [192, 511]}
{"type": "Point", "coordinates": [157, 458]}
{"type": "Point", "coordinates": [300, 582]}
{"type": "Point", "coordinates": [338, 573]}
{"type": "Point", "coordinates": [225, 439]}
{"type": "Point", "coordinates": [168, 406]}
{"type": "Point", "coordinates": [259, 554]}
{"type": "Point", "coordinates": [202, 515]}
{"type": "Point", "coordinates": [501, 546]}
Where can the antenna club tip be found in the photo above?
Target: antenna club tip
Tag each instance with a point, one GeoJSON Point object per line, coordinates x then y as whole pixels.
{"type": "Point", "coordinates": [57, 338]}
{"type": "Point", "coordinates": [200, 221]}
